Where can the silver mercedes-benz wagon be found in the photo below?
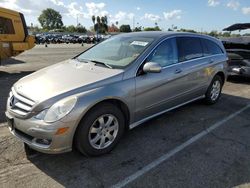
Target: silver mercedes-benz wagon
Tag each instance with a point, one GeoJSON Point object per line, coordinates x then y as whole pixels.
{"type": "Point", "coordinates": [90, 100]}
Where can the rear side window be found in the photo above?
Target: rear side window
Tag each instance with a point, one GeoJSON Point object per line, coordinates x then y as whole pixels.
{"type": "Point", "coordinates": [210, 48]}
{"type": "Point", "coordinates": [189, 48]}
{"type": "Point", "coordinates": [6, 26]}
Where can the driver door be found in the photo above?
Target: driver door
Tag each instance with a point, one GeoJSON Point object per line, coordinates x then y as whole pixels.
{"type": "Point", "coordinates": [155, 92]}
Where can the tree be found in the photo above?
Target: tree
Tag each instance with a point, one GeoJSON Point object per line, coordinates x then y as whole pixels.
{"type": "Point", "coordinates": [78, 29]}
{"type": "Point", "coordinates": [93, 19]}
{"type": "Point", "coordinates": [226, 34]}
{"type": "Point", "coordinates": [137, 29]}
{"type": "Point", "coordinates": [214, 33]}
{"type": "Point", "coordinates": [156, 28]}
{"type": "Point", "coordinates": [100, 24]}
{"type": "Point", "coordinates": [81, 29]}
{"type": "Point", "coordinates": [125, 28]}
{"type": "Point", "coordinates": [71, 29]}
{"type": "Point", "coordinates": [50, 19]}
{"type": "Point", "coordinates": [187, 30]}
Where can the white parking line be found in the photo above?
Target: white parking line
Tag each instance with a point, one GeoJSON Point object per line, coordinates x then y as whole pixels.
{"type": "Point", "coordinates": [179, 148]}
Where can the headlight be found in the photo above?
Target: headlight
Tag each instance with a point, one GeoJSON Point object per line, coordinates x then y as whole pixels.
{"type": "Point", "coordinates": [57, 110]}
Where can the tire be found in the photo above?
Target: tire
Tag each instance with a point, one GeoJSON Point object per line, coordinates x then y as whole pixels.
{"type": "Point", "coordinates": [104, 125]}
{"type": "Point", "coordinates": [214, 90]}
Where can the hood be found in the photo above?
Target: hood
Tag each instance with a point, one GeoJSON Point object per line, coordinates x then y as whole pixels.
{"type": "Point", "coordinates": [63, 77]}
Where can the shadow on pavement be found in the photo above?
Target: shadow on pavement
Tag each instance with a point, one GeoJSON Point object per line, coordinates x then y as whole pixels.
{"type": "Point", "coordinates": [239, 80]}
{"type": "Point", "coordinates": [10, 61]}
{"type": "Point", "coordinates": [141, 146]}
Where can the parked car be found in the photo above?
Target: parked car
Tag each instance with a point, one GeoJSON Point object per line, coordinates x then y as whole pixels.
{"type": "Point", "coordinates": [84, 38]}
{"type": "Point", "coordinates": [91, 99]}
{"type": "Point", "coordinates": [238, 50]}
{"type": "Point", "coordinates": [68, 38]}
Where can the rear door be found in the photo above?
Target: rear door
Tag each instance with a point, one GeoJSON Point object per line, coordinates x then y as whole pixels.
{"type": "Point", "coordinates": [193, 65]}
{"type": "Point", "coordinates": [214, 55]}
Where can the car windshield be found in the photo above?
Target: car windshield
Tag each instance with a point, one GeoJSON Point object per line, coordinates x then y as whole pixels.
{"type": "Point", "coordinates": [116, 52]}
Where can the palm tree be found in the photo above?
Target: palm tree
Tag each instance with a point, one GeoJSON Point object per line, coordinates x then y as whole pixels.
{"type": "Point", "coordinates": [100, 24]}
{"type": "Point", "coordinates": [102, 20]}
{"type": "Point", "coordinates": [98, 20]}
{"type": "Point", "coordinates": [93, 19]}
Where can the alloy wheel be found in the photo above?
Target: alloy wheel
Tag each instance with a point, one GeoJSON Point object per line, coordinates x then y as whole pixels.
{"type": "Point", "coordinates": [103, 131]}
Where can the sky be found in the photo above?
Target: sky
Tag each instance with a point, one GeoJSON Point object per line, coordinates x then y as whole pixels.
{"type": "Point", "coordinates": [200, 15]}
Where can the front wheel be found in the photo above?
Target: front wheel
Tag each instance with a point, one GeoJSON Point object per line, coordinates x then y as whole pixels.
{"type": "Point", "coordinates": [214, 90]}
{"type": "Point", "coordinates": [100, 130]}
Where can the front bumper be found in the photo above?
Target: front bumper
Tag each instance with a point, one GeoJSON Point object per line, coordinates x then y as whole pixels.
{"type": "Point", "coordinates": [40, 136]}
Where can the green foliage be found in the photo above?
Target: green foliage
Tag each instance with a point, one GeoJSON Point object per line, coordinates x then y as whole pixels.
{"type": "Point", "coordinates": [226, 34]}
{"type": "Point", "coordinates": [71, 29]}
{"type": "Point", "coordinates": [50, 19]}
{"type": "Point", "coordinates": [187, 30]}
{"type": "Point", "coordinates": [156, 28]}
{"type": "Point", "coordinates": [137, 29]}
{"type": "Point", "coordinates": [78, 29]}
{"type": "Point", "coordinates": [125, 28]}
{"type": "Point", "coordinates": [213, 34]}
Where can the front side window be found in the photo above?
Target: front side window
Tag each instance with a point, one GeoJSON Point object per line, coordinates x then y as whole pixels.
{"type": "Point", "coordinates": [6, 26]}
{"type": "Point", "coordinates": [189, 48]}
{"type": "Point", "coordinates": [118, 51]}
{"type": "Point", "coordinates": [165, 54]}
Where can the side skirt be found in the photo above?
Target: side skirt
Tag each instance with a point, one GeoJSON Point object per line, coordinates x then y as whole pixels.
{"type": "Point", "coordinates": [133, 125]}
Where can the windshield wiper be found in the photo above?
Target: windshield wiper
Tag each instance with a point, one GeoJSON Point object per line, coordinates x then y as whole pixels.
{"type": "Point", "coordinates": [101, 63]}
{"type": "Point", "coordinates": [82, 60]}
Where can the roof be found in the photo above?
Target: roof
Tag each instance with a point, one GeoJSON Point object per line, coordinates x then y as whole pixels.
{"type": "Point", "coordinates": [158, 34]}
{"type": "Point", "coordinates": [8, 11]}
{"type": "Point", "coordinates": [238, 26]}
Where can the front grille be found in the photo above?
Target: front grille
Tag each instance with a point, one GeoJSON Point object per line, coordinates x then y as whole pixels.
{"type": "Point", "coordinates": [19, 104]}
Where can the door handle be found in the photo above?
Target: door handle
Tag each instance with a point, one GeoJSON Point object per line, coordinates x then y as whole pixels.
{"type": "Point", "coordinates": [178, 71]}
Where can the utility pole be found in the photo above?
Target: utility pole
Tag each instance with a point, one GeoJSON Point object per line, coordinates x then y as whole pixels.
{"type": "Point", "coordinates": [133, 22]}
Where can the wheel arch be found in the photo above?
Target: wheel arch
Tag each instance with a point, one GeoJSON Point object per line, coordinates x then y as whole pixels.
{"type": "Point", "coordinates": [117, 102]}
{"type": "Point", "coordinates": [222, 76]}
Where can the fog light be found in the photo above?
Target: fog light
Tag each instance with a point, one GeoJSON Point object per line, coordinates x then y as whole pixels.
{"type": "Point", "coordinates": [43, 141]}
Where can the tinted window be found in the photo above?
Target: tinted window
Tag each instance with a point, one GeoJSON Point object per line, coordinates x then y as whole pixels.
{"type": "Point", "coordinates": [165, 54]}
{"type": "Point", "coordinates": [6, 26]}
{"type": "Point", "coordinates": [210, 48]}
{"type": "Point", "coordinates": [189, 48]}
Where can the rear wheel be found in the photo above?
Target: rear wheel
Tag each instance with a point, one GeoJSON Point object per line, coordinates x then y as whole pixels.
{"type": "Point", "coordinates": [214, 90]}
{"type": "Point", "coordinates": [100, 130]}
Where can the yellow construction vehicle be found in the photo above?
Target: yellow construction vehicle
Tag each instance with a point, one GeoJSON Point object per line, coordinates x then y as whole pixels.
{"type": "Point", "coordinates": [14, 38]}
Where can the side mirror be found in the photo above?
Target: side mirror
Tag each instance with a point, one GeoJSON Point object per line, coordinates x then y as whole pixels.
{"type": "Point", "coordinates": [152, 67]}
